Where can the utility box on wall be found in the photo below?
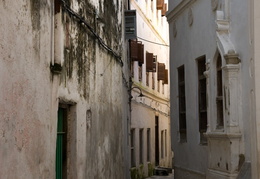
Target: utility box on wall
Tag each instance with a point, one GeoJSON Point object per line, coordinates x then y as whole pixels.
{"type": "Point", "coordinates": [130, 24]}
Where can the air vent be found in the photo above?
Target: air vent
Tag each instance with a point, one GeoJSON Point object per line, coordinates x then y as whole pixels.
{"type": "Point", "coordinates": [130, 24]}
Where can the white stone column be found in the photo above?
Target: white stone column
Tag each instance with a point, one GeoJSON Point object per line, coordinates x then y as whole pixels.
{"type": "Point", "coordinates": [232, 101]}
{"type": "Point", "coordinates": [224, 146]}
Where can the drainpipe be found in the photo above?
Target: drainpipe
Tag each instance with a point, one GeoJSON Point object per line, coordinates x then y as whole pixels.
{"type": "Point", "coordinates": [52, 34]}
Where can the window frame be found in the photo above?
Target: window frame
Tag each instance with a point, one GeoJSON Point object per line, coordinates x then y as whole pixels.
{"type": "Point", "coordinates": [219, 94]}
{"type": "Point", "coordinates": [141, 146]}
{"type": "Point", "coordinates": [148, 144]}
{"type": "Point", "coordinates": [182, 104]}
{"type": "Point", "coordinates": [132, 147]}
{"type": "Point", "coordinates": [202, 98]}
{"type": "Point", "coordinates": [162, 144]}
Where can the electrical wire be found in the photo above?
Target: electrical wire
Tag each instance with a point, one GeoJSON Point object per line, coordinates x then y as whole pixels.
{"type": "Point", "coordinates": [152, 42]}
{"type": "Point", "coordinates": [101, 42]}
{"type": "Point", "coordinates": [125, 82]}
{"type": "Point", "coordinates": [106, 68]}
{"type": "Point", "coordinates": [150, 107]}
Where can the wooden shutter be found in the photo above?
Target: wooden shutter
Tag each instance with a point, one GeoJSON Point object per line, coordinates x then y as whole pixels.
{"type": "Point", "coordinates": [133, 50]}
{"type": "Point", "coordinates": [164, 9]}
{"type": "Point", "coordinates": [161, 71]}
{"type": "Point", "coordinates": [149, 62]}
{"type": "Point", "coordinates": [140, 53]}
{"type": "Point", "coordinates": [130, 24]}
{"type": "Point", "coordinates": [166, 76]}
{"type": "Point", "coordinates": [160, 4]}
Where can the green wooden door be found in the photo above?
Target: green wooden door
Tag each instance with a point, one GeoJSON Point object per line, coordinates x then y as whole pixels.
{"type": "Point", "coordinates": [59, 144]}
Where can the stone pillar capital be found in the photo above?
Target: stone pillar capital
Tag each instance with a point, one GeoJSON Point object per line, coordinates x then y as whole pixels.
{"type": "Point", "coordinates": [232, 57]}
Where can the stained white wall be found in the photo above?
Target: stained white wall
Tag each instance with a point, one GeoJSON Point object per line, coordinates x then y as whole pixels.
{"type": "Point", "coordinates": [90, 80]}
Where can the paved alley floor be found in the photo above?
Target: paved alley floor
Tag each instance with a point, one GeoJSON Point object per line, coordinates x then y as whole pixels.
{"type": "Point", "coordinates": [170, 176]}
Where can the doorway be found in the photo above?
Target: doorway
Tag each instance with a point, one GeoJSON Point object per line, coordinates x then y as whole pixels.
{"type": "Point", "coordinates": [61, 144]}
{"type": "Point", "coordinates": [157, 156]}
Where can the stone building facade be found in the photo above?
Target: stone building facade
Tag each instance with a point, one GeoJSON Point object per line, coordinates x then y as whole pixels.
{"type": "Point", "coordinates": [63, 89]}
{"type": "Point", "coordinates": [214, 91]}
{"type": "Point", "coordinates": [150, 120]}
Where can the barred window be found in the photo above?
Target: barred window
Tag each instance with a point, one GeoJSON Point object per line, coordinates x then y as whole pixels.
{"type": "Point", "coordinates": [202, 94]}
{"type": "Point", "coordinates": [219, 98]}
{"type": "Point", "coordinates": [182, 104]}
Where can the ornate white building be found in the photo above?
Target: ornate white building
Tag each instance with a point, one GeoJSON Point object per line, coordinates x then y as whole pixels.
{"type": "Point", "coordinates": [214, 92]}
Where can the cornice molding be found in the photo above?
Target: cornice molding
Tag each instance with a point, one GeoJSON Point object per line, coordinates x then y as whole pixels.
{"type": "Point", "coordinates": [173, 14]}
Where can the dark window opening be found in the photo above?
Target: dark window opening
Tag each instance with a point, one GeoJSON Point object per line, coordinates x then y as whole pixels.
{"type": "Point", "coordinates": [182, 104]}
{"type": "Point", "coordinates": [165, 142]}
{"type": "Point", "coordinates": [153, 81]}
{"type": "Point", "coordinates": [148, 144]}
{"type": "Point", "coordinates": [141, 146]}
{"type": "Point", "coordinates": [162, 144]}
{"type": "Point", "coordinates": [219, 98]}
{"type": "Point", "coordinates": [132, 147]}
{"type": "Point", "coordinates": [202, 94]}
{"type": "Point", "coordinates": [157, 159]}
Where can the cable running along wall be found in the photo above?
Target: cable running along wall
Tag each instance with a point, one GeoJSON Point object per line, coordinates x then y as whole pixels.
{"type": "Point", "coordinates": [83, 21]}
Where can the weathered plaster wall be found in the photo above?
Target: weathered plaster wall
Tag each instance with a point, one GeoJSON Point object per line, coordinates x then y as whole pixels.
{"type": "Point", "coordinates": [90, 83]}
{"type": "Point", "coordinates": [92, 78]}
{"type": "Point", "coordinates": [27, 123]}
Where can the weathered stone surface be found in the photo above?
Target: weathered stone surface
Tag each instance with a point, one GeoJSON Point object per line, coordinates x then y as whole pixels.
{"type": "Point", "coordinates": [245, 172]}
